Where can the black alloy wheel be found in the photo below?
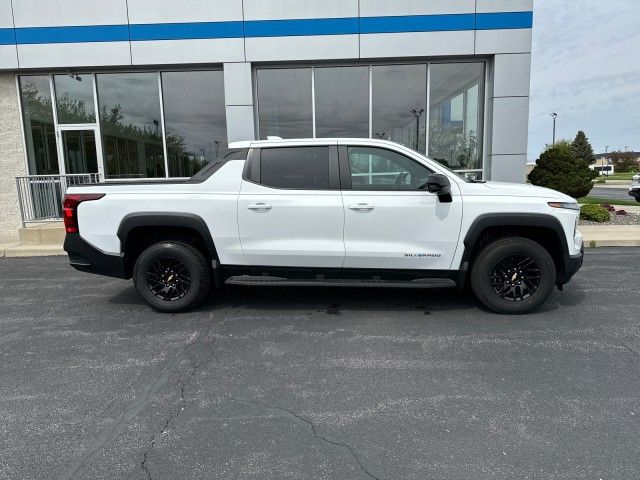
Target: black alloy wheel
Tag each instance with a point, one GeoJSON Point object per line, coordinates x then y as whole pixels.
{"type": "Point", "coordinates": [172, 276]}
{"type": "Point", "coordinates": [515, 278]}
{"type": "Point", "coordinates": [513, 275]}
{"type": "Point", "coordinates": [168, 279]}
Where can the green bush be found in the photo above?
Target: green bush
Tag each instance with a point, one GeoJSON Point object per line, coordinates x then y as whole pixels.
{"type": "Point", "coordinates": [559, 169]}
{"type": "Point", "coordinates": [595, 213]}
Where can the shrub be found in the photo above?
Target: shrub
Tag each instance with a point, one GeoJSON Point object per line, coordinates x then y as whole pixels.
{"type": "Point", "coordinates": [559, 169]}
{"type": "Point", "coordinates": [621, 212]}
{"type": "Point", "coordinates": [595, 213]}
{"type": "Point", "coordinates": [600, 180]}
{"type": "Point", "coordinates": [608, 207]}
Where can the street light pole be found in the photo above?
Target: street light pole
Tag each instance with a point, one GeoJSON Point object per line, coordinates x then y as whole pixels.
{"type": "Point", "coordinates": [417, 113]}
{"type": "Point", "coordinates": [554, 115]}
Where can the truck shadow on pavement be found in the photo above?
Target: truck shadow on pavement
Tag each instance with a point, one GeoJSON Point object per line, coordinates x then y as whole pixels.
{"type": "Point", "coordinates": [335, 300]}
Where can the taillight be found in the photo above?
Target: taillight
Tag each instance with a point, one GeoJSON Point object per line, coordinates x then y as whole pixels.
{"type": "Point", "coordinates": [70, 208]}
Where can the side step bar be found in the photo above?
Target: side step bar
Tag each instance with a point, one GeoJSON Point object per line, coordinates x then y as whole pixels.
{"type": "Point", "coordinates": [267, 280]}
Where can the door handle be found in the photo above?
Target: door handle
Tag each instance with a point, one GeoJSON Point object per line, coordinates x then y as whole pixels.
{"type": "Point", "coordinates": [259, 206]}
{"type": "Point", "coordinates": [362, 206]}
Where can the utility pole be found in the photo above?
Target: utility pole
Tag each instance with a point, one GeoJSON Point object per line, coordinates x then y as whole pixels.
{"type": "Point", "coordinates": [554, 115]}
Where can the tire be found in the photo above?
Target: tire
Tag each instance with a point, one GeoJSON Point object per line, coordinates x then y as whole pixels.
{"type": "Point", "coordinates": [184, 269]}
{"type": "Point", "coordinates": [503, 279]}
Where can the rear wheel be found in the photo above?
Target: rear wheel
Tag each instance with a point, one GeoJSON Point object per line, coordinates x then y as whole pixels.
{"type": "Point", "coordinates": [513, 275]}
{"type": "Point", "coordinates": [172, 276]}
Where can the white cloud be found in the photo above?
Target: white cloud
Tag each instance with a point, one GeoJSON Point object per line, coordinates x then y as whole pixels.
{"type": "Point", "coordinates": [586, 67]}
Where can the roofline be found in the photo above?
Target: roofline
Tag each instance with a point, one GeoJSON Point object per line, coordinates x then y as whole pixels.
{"type": "Point", "coordinates": [315, 141]}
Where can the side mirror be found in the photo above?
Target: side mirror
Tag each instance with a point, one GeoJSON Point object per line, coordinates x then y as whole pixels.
{"type": "Point", "coordinates": [439, 184]}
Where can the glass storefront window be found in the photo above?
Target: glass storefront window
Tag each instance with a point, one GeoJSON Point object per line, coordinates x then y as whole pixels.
{"type": "Point", "coordinates": [285, 102]}
{"type": "Point", "coordinates": [131, 124]}
{"type": "Point", "coordinates": [399, 101]}
{"type": "Point", "coordinates": [40, 135]}
{"type": "Point", "coordinates": [195, 119]}
{"type": "Point", "coordinates": [455, 136]}
{"type": "Point", "coordinates": [74, 98]}
{"type": "Point", "coordinates": [342, 101]}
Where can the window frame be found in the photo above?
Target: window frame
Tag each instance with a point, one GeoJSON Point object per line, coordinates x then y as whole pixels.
{"type": "Point", "coordinates": [345, 169]}
{"type": "Point", "coordinates": [252, 168]}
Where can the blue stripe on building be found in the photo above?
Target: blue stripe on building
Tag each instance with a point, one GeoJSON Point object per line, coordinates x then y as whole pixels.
{"type": "Point", "coordinates": [266, 28]}
{"type": "Point", "coordinates": [301, 27]}
{"type": "Point", "coordinates": [186, 31]}
{"type": "Point", "coordinates": [73, 34]}
{"type": "Point", "coordinates": [7, 36]}
{"type": "Point", "coordinates": [418, 23]}
{"type": "Point", "coordinates": [504, 20]}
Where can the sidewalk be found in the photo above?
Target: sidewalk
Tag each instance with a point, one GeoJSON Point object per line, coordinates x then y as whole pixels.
{"type": "Point", "coordinates": [611, 235]}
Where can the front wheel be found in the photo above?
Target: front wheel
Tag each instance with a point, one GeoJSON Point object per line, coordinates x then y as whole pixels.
{"type": "Point", "coordinates": [513, 275]}
{"type": "Point", "coordinates": [171, 276]}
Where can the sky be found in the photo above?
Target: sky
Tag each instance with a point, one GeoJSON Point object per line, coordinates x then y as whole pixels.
{"type": "Point", "coordinates": [586, 68]}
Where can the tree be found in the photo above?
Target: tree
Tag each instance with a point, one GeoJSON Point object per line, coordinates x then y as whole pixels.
{"type": "Point", "coordinates": [582, 149]}
{"type": "Point", "coordinates": [624, 161]}
{"type": "Point", "coordinates": [559, 169]}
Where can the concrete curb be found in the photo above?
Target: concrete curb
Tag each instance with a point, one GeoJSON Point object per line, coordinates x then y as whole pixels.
{"type": "Point", "coordinates": [16, 250]}
{"type": "Point", "coordinates": [611, 235]}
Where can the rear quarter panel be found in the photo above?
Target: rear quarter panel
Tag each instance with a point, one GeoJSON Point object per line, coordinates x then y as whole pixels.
{"type": "Point", "coordinates": [214, 201]}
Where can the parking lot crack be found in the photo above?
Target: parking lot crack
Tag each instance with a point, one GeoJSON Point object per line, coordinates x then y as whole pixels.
{"type": "Point", "coordinates": [139, 403]}
{"type": "Point", "coordinates": [310, 427]}
{"type": "Point", "coordinates": [183, 382]}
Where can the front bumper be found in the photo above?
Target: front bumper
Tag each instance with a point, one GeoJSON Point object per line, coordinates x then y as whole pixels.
{"type": "Point", "coordinates": [572, 264]}
{"type": "Point", "coordinates": [86, 258]}
{"type": "Point", "coordinates": [635, 193]}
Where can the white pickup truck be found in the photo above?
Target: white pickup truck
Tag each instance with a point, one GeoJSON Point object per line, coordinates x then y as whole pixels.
{"type": "Point", "coordinates": [326, 212]}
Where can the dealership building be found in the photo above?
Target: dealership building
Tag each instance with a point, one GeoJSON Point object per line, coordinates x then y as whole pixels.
{"type": "Point", "coordinates": [136, 89]}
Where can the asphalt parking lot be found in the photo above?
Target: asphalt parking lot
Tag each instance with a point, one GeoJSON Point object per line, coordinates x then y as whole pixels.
{"type": "Point", "coordinates": [619, 192]}
{"type": "Point", "coordinates": [318, 383]}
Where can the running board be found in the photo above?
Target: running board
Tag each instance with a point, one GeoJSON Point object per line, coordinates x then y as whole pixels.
{"type": "Point", "coordinates": [322, 282]}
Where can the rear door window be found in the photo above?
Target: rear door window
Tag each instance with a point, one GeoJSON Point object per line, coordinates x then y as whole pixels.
{"type": "Point", "coordinates": [302, 168]}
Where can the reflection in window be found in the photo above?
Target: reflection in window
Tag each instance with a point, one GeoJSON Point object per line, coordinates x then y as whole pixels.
{"type": "Point", "coordinates": [455, 138]}
{"type": "Point", "coordinates": [342, 101]}
{"type": "Point", "coordinates": [129, 106]}
{"type": "Point", "coordinates": [35, 94]}
{"type": "Point", "coordinates": [79, 148]}
{"type": "Point", "coordinates": [284, 102]}
{"type": "Point", "coordinates": [195, 120]}
{"type": "Point", "coordinates": [74, 98]}
{"type": "Point", "coordinates": [399, 100]}
{"type": "Point", "coordinates": [380, 169]}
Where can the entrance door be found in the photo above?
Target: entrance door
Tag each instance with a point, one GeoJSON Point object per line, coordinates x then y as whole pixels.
{"type": "Point", "coordinates": [80, 150]}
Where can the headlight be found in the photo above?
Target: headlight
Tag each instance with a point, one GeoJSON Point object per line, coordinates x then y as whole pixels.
{"type": "Point", "coordinates": [569, 205]}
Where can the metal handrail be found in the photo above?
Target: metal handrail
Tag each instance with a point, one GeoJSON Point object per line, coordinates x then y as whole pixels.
{"type": "Point", "coordinates": [40, 196]}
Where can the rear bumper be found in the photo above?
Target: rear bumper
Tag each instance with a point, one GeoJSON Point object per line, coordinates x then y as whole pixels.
{"type": "Point", "coordinates": [87, 258]}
